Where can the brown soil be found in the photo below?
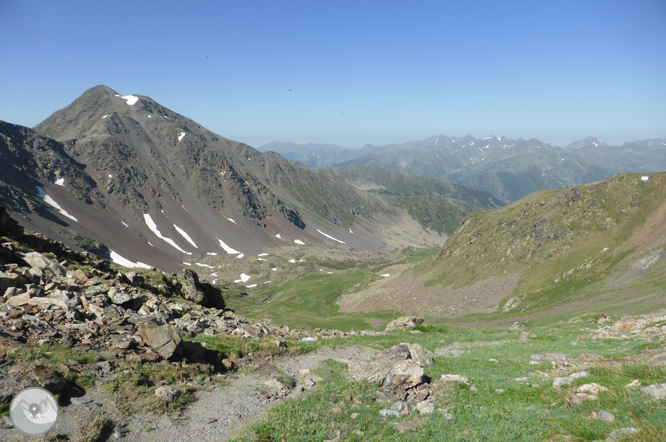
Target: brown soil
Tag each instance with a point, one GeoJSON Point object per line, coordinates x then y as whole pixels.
{"type": "Point", "coordinates": [408, 294]}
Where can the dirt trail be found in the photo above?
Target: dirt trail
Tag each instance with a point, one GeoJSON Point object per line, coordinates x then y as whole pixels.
{"type": "Point", "coordinates": [218, 415]}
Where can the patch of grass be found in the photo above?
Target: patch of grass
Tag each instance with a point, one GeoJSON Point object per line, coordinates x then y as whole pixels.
{"type": "Point", "coordinates": [94, 427]}
{"type": "Point", "coordinates": [4, 409]}
{"type": "Point", "coordinates": [287, 380]}
{"type": "Point", "coordinates": [163, 406]}
{"type": "Point", "coordinates": [429, 329]}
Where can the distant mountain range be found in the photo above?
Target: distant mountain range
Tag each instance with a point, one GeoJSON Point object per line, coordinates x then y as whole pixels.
{"type": "Point", "coordinates": [126, 178]}
{"type": "Point", "coordinates": [508, 169]}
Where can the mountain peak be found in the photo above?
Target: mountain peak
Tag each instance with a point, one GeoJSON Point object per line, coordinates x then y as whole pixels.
{"type": "Point", "coordinates": [589, 141]}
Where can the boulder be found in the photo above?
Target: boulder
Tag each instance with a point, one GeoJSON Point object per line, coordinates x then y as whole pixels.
{"type": "Point", "coordinates": [403, 376]}
{"type": "Point", "coordinates": [403, 322]}
{"type": "Point", "coordinates": [164, 339]}
{"type": "Point", "coordinates": [621, 433]}
{"type": "Point", "coordinates": [38, 261]}
{"type": "Point", "coordinates": [118, 297]}
{"type": "Point", "coordinates": [167, 393]}
{"type": "Point", "coordinates": [190, 288]}
{"type": "Point", "coordinates": [454, 378]}
{"type": "Point", "coordinates": [377, 369]}
{"type": "Point", "coordinates": [559, 382]}
{"type": "Point", "coordinates": [422, 356]}
{"type": "Point", "coordinates": [655, 391]}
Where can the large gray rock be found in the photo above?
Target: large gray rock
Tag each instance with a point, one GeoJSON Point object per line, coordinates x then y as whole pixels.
{"type": "Point", "coordinates": [167, 393]}
{"type": "Point", "coordinates": [559, 382]}
{"type": "Point", "coordinates": [164, 339]}
{"type": "Point", "coordinates": [118, 297]}
{"type": "Point", "coordinates": [655, 391]}
{"type": "Point", "coordinates": [190, 287]}
{"type": "Point", "coordinates": [621, 433]}
{"type": "Point", "coordinates": [403, 322]}
{"type": "Point", "coordinates": [422, 356]}
{"type": "Point", "coordinates": [403, 376]}
{"type": "Point", "coordinates": [376, 370]}
{"type": "Point", "coordinates": [38, 261]}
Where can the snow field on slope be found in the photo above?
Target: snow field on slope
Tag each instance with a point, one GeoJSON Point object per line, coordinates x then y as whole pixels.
{"type": "Point", "coordinates": [126, 262]}
{"type": "Point", "coordinates": [329, 236]}
{"type": "Point", "coordinates": [51, 202]}
{"type": "Point", "coordinates": [185, 235]}
{"type": "Point", "coordinates": [153, 227]}
{"type": "Point", "coordinates": [228, 249]}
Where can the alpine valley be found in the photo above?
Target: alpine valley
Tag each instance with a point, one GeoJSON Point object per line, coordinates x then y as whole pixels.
{"type": "Point", "coordinates": [167, 283]}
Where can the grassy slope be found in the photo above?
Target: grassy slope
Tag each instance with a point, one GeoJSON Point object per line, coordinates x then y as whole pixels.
{"type": "Point", "coordinates": [435, 203]}
{"type": "Point", "coordinates": [526, 410]}
{"type": "Point", "coordinates": [309, 299]}
{"type": "Point", "coordinates": [544, 236]}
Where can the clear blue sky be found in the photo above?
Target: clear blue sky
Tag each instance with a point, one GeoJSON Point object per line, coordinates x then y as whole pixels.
{"type": "Point", "coordinates": [360, 72]}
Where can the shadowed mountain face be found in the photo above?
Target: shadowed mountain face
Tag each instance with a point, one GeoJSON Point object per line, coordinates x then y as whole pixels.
{"type": "Point", "coordinates": [160, 190]}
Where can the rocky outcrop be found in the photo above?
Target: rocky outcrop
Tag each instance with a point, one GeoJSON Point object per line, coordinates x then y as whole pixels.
{"type": "Point", "coordinates": [404, 322]}
{"type": "Point", "coordinates": [164, 339]}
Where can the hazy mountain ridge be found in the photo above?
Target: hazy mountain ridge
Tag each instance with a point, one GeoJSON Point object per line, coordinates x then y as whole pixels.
{"type": "Point", "coordinates": [511, 169]}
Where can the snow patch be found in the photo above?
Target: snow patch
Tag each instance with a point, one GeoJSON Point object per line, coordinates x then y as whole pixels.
{"type": "Point", "coordinates": [605, 249]}
{"type": "Point", "coordinates": [124, 223]}
{"type": "Point", "coordinates": [231, 220]}
{"type": "Point", "coordinates": [329, 236]}
{"type": "Point", "coordinates": [228, 249]}
{"type": "Point", "coordinates": [263, 254]}
{"type": "Point", "coordinates": [244, 277]}
{"type": "Point", "coordinates": [165, 117]}
{"type": "Point", "coordinates": [240, 256]}
{"type": "Point", "coordinates": [105, 116]}
{"type": "Point", "coordinates": [645, 178]}
{"type": "Point", "coordinates": [185, 235]}
{"type": "Point", "coordinates": [51, 202]}
{"type": "Point", "coordinates": [181, 136]}
{"type": "Point", "coordinates": [213, 274]}
{"type": "Point", "coordinates": [204, 265]}
{"type": "Point", "coordinates": [278, 236]}
{"type": "Point", "coordinates": [385, 275]}
{"type": "Point", "coordinates": [251, 286]}
{"type": "Point", "coordinates": [110, 176]}
{"type": "Point", "coordinates": [153, 227]}
{"type": "Point", "coordinates": [187, 263]}
{"type": "Point", "coordinates": [274, 269]}
{"type": "Point", "coordinates": [299, 242]}
{"type": "Point", "coordinates": [126, 262]}
{"type": "Point", "coordinates": [261, 259]}
{"type": "Point", "coordinates": [150, 116]}
{"type": "Point", "coordinates": [211, 253]}
{"type": "Point", "coordinates": [329, 273]}
{"type": "Point", "coordinates": [130, 99]}
{"type": "Point", "coordinates": [293, 261]}
{"type": "Point", "coordinates": [350, 231]}
{"type": "Point", "coordinates": [150, 244]}
{"type": "Point", "coordinates": [301, 260]}
{"type": "Point", "coordinates": [59, 182]}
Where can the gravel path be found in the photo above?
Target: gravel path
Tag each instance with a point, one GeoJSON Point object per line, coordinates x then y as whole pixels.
{"type": "Point", "coordinates": [218, 415]}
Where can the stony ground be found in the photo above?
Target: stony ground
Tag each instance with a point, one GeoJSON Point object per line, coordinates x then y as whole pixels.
{"type": "Point", "coordinates": [221, 412]}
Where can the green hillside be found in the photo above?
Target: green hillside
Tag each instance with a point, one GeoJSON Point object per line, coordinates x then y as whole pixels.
{"type": "Point", "coordinates": [562, 244]}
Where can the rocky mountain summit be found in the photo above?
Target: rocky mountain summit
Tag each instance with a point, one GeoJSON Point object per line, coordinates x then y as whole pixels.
{"type": "Point", "coordinates": [133, 181]}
